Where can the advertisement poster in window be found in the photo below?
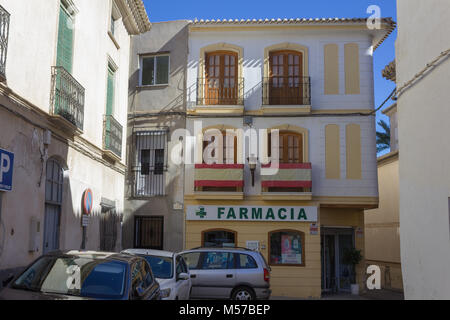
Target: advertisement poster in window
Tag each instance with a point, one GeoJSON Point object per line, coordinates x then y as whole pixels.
{"type": "Point", "coordinates": [291, 249]}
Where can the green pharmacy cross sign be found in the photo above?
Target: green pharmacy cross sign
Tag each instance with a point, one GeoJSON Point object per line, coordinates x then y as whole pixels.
{"type": "Point", "coordinates": [201, 212]}
{"type": "Point", "coordinates": [251, 213]}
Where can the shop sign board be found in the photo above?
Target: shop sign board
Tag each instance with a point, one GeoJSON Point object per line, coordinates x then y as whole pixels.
{"type": "Point", "coordinates": [251, 213]}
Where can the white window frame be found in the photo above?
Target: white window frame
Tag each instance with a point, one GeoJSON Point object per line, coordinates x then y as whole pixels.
{"type": "Point", "coordinates": [141, 64]}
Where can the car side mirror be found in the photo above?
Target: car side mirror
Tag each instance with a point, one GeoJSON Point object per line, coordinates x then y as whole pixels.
{"type": "Point", "coordinates": [183, 277]}
{"type": "Point", "coordinates": [8, 280]}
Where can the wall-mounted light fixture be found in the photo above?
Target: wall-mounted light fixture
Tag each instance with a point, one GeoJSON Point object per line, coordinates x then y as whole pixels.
{"type": "Point", "coordinates": [252, 161]}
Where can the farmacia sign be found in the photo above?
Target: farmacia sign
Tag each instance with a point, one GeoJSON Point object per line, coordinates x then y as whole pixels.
{"type": "Point", "coordinates": [251, 213]}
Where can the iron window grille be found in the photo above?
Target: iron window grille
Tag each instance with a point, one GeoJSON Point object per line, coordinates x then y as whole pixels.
{"type": "Point", "coordinates": [150, 163]}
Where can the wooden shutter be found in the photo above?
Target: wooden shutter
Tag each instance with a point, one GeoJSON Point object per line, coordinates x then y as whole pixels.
{"type": "Point", "coordinates": [110, 93]}
{"type": "Point", "coordinates": [286, 78]}
{"type": "Point", "coordinates": [65, 41]}
{"type": "Point", "coordinates": [221, 81]}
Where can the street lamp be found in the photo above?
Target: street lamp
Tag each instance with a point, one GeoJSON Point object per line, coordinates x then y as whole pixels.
{"type": "Point", "coordinates": [252, 161]}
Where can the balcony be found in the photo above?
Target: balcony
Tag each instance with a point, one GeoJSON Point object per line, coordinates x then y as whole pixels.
{"type": "Point", "coordinates": [289, 92]}
{"type": "Point", "coordinates": [290, 180]}
{"type": "Point", "coordinates": [219, 181]}
{"type": "Point", "coordinates": [221, 94]}
{"type": "Point", "coordinates": [112, 137]}
{"type": "Point", "coordinates": [67, 100]}
{"type": "Point", "coordinates": [4, 34]}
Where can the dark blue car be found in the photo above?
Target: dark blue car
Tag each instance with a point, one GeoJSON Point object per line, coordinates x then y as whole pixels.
{"type": "Point", "coordinates": [84, 275]}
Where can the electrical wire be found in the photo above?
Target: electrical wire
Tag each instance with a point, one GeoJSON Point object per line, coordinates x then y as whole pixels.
{"type": "Point", "coordinates": [420, 74]}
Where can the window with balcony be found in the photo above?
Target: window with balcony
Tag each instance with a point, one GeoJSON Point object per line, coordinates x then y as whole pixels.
{"type": "Point", "coordinates": [286, 83]}
{"type": "Point", "coordinates": [221, 84]}
{"type": "Point", "coordinates": [4, 34]}
{"type": "Point", "coordinates": [150, 163]}
{"type": "Point", "coordinates": [293, 175]}
{"type": "Point", "coordinates": [219, 170]}
{"type": "Point", "coordinates": [67, 95]}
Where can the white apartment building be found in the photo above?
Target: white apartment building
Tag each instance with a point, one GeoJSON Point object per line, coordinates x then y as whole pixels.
{"type": "Point", "coordinates": [63, 115]}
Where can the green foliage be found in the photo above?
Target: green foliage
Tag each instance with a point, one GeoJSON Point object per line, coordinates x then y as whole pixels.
{"type": "Point", "coordinates": [383, 138]}
{"type": "Point", "coordinates": [352, 256]}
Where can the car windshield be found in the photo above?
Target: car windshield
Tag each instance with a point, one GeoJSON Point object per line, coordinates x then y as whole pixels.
{"type": "Point", "coordinates": [76, 276]}
{"type": "Point", "coordinates": [162, 267]}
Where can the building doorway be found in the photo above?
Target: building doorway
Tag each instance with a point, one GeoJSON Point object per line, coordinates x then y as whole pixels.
{"type": "Point", "coordinates": [53, 202]}
{"type": "Point", "coordinates": [336, 275]}
{"type": "Point", "coordinates": [149, 233]}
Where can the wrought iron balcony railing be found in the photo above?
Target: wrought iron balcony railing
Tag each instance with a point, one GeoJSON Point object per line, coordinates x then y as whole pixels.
{"type": "Point", "coordinates": [67, 97]}
{"type": "Point", "coordinates": [218, 91]}
{"type": "Point", "coordinates": [112, 135]}
{"type": "Point", "coordinates": [287, 90]}
{"type": "Point", "coordinates": [4, 34]}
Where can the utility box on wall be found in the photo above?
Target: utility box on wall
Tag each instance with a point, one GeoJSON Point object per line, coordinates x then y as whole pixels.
{"type": "Point", "coordinates": [35, 235]}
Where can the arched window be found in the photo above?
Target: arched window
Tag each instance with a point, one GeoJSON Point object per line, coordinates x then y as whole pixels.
{"type": "Point", "coordinates": [53, 203]}
{"type": "Point", "coordinates": [290, 147]}
{"type": "Point", "coordinates": [286, 81]}
{"type": "Point", "coordinates": [219, 238]}
{"type": "Point", "coordinates": [287, 247]}
{"type": "Point", "coordinates": [221, 78]}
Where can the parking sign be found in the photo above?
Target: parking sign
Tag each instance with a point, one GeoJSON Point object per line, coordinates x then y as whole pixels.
{"type": "Point", "coordinates": [6, 170]}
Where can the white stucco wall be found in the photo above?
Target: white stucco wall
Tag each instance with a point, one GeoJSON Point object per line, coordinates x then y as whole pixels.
{"type": "Point", "coordinates": [254, 43]}
{"type": "Point", "coordinates": [31, 54]}
{"type": "Point", "coordinates": [424, 132]}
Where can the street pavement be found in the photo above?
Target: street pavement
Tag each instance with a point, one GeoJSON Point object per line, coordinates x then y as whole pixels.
{"type": "Point", "coordinates": [369, 295]}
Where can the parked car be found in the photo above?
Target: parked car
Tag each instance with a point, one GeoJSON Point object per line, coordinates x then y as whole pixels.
{"type": "Point", "coordinates": [84, 275]}
{"type": "Point", "coordinates": [228, 273]}
{"type": "Point", "coordinates": [170, 271]}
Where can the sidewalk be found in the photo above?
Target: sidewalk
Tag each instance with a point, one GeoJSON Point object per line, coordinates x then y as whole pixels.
{"type": "Point", "coordinates": [369, 295]}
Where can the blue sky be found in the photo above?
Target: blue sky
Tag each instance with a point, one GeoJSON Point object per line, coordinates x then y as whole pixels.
{"type": "Point", "coordinates": [160, 10]}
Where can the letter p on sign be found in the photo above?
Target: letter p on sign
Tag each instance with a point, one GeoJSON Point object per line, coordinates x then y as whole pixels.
{"type": "Point", "coordinates": [5, 165]}
{"type": "Point", "coordinates": [374, 278]}
{"type": "Point", "coordinates": [6, 170]}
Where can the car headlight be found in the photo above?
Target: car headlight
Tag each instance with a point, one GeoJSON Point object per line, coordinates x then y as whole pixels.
{"type": "Point", "coordinates": [165, 293]}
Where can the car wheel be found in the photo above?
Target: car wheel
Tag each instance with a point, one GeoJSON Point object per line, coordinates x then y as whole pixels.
{"type": "Point", "coordinates": [243, 293]}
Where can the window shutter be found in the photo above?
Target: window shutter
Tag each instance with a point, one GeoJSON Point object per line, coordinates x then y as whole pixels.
{"type": "Point", "coordinates": [110, 93]}
{"type": "Point", "coordinates": [65, 41]}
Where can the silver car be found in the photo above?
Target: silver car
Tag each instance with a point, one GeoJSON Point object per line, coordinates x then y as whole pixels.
{"type": "Point", "coordinates": [228, 273]}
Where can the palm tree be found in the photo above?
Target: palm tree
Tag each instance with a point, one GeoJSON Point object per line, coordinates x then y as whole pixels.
{"type": "Point", "coordinates": [383, 138]}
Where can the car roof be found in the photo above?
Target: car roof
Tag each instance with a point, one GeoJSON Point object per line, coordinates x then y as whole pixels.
{"type": "Point", "coordinates": [150, 252]}
{"type": "Point", "coordinates": [235, 249]}
{"type": "Point", "coordinates": [95, 255]}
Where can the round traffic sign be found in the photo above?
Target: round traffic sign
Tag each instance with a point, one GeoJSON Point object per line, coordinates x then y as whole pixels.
{"type": "Point", "coordinates": [88, 201]}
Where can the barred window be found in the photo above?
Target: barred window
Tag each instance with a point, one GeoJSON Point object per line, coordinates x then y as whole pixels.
{"type": "Point", "coordinates": [150, 163]}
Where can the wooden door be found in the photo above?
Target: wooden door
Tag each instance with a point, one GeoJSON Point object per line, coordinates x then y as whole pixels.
{"type": "Point", "coordinates": [286, 78]}
{"type": "Point", "coordinates": [221, 83]}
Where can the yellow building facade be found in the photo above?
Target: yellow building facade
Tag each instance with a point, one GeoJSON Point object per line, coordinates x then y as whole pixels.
{"type": "Point", "coordinates": [309, 119]}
